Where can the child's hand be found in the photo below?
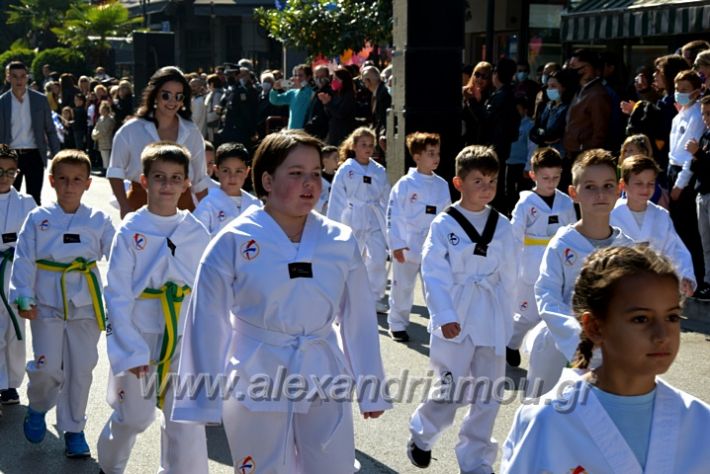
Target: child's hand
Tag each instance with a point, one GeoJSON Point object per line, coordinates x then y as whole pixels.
{"type": "Point", "coordinates": [692, 146]}
{"type": "Point", "coordinates": [627, 107]}
{"type": "Point", "coordinates": [399, 254]}
{"type": "Point", "coordinates": [686, 287]}
{"type": "Point", "coordinates": [29, 313]}
{"type": "Point", "coordinates": [675, 193]}
{"type": "Point", "coordinates": [139, 371]}
{"type": "Point", "coordinates": [372, 414]}
{"type": "Point", "coordinates": [451, 330]}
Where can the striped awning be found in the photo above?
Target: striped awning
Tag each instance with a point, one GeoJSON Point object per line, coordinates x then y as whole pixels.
{"type": "Point", "coordinates": [591, 21]}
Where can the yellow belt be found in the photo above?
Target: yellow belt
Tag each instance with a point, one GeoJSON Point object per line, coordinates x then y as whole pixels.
{"type": "Point", "coordinates": [171, 297]}
{"type": "Point", "coordinates": [82, 266]}
{"type": "Point", "coordinates": [536, 240]}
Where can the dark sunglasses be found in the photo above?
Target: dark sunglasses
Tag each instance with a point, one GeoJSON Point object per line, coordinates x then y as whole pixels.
{"type": "Point", "coordinates": [480, 75]}
{"type": "Point", "coordinates": [167, 95]}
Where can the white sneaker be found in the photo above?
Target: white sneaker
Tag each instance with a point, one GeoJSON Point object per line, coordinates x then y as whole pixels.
{"type": "Point", "coordinates": [357, 466]}
{"type": "Point", "coordinates": [382, 307]}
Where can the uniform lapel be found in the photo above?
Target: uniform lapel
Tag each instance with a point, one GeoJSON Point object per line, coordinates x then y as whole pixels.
{"type": "Point", "coordinates": [663, 445]}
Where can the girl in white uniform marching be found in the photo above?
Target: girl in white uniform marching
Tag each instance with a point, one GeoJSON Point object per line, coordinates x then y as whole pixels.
{"type": "Point", "coordinates": [358, 198]}
{"type": "Point", "coordinates": [272, 290]}
{"type": "Point", "coordinates": [618, 418]}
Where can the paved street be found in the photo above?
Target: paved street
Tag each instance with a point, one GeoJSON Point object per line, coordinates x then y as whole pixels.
{"type": "Point", "coordinates": [380, 443]}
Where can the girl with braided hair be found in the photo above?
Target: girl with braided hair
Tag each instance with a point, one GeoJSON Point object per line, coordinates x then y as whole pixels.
{"type": "Point", "coordinates": [618, 417]}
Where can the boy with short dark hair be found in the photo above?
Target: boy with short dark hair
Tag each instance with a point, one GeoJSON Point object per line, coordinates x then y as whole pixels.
{"type": "Point", "coordinates": [469, 265]}
{"type": "Point", "coordinates": [153, 264]}
{"type": "Point", "coordinates": [595, 188]}
{"type": "Point", "coordinates": [414, 202]}
{"type": "Point", "coordinates": [226, 203]}
{"type": "Point", "coordinates": [646, 222]}
{"type": "Point", "coordinates": [57, 286]}
{"type": "Point", "coordinates": [536, 217]}
{"type": "Point", "coordinates": [12, 327]}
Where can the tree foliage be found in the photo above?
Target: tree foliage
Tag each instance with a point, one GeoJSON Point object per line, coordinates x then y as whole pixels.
{"type": "Point", "coordinates": [16, 54]}
{"type": "Point", "coordinates": [84, 21]}
{"type": "Point", "coordinates": [328, 27]}
{"type": "Point", "coordinates": [38, 17]}
{"type": "Point", "coordinates": [60, 59]}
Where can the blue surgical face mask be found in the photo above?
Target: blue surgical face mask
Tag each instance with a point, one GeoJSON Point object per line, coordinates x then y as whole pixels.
{"type": "Point", "coordinates": [683, 98]}
{"type": "Point", "coordinates": [544, 79]}
{"type": "Point", "coordinates": [521, 76]}
{"type": "Point", "coordinates": [553, 94]}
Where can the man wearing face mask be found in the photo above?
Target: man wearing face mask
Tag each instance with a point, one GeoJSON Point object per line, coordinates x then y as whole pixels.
{"type": "Point", "coordinates": [316, 118]}
{"type": "Point", "coordinates": [589, 113]}
{"type": "Point", "coordinates": [240, 103]}
{"type": "Point", "coordinates": [297, 98]}
{"type": "Point", "coordinates": [525, 86]}
{"type": "Point", "coordinates": [541, 97]}
{"type": "Point", "coordinates": [266, 109]}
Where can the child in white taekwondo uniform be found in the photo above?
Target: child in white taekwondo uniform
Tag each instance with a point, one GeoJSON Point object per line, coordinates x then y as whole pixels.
{"type": "Point", "coordinates": [330, 165]}
{"type": "Point", "coordinates": [649, 223]}
{"type": "Point", "coordinates": [358, 198]}
{"type": "Point", "coordinates": [554, 340]}
{"type": "Point", "coordinates": [15, 208]}
{"type": "Point", "coordinates": [618, 418]}
{"type": "Point", "coordinates": [57, 286]}
{"type": "Point", "coordinates": [229, 200]}
{"type": "Point", "coordinates": [536, 217]}
{"type": "Point", "coordinates": [414, 202]}
{"type": "Point", "coordinates": [469, 264]}
{"type": "Point", "coordinates": [272, 290]}
{"type": "Point", "coordinates": [152, 268]}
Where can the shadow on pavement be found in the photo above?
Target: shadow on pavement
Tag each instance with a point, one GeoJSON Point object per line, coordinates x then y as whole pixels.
{"type": "Point", "coordinates": [217, 445]}
{"type": "Point", "coordinates": [371, 465]}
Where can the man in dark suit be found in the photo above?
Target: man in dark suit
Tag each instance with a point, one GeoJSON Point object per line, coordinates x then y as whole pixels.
{"type": "Point", "coordinates": [381, 101]}
{"type": "Point", "coordinates": [26, 126]}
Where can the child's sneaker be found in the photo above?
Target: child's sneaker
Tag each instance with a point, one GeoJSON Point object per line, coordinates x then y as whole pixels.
{"type": "Point", "coordinates": [34, 426]}
{"type": "Point", "coordinates": [399, 336]}
{"type": "Point", "coordinates": [75, 445]}
{"type": "Point", "coordinates": [512, 357]}
{"type": "Point", "coordinates": [382, 307]}
{"type": "Point", "coordinates": [9, 396]}
{"type": "Point", "coordinates": [419, 457]}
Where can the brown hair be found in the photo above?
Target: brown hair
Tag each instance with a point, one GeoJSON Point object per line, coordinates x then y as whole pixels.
{"type": "Point", "coordinates": [477, 157]}
{"type": "Point", "coordinates": [599, 279]}
{"type": "Point", "coordinates": [168, 152]}
{"type": "Point", "coordinates": [274, 150]}
{"type": "Point", "coordinates": [156, 82]}
{"type": "Point", "coordinates": [347, 148]}
{"type": "Point", "coordinates": [594, 157]}
{"type": "Point", "coordinates": [705, 100]}
{"type": "Point", "coordinates": [70, 157]}
{"type": "Point", "coordinates": [546, 157]}
{"type": "Point", "coordinates": [691, 76]}
{"type": "Point", "coordinates": [636, 164]}
{"type": "Point", "coordinates": [640, 140]}
{"type": "Point", "coordinates": [418, 141]}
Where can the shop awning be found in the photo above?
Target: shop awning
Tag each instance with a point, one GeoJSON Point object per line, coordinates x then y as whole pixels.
{"type": "Point", "coordinates": [229, 7]}
{"type": "Point", "coordinates": [591, 21]}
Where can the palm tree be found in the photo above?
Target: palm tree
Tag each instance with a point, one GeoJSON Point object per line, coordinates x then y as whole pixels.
{"type": "Point", "coordinates": [39, 17]}
{"type": "Point", "coordinates": [88, 26]}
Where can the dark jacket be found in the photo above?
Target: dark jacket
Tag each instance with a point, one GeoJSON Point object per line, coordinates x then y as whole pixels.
{"type": "Point", "coordinates": [655, 121]}
{"type": "Point", "coordinates": [316, 118]}
{"type": "Point", "coordinates": [341, 118]}
{"type": "Point", "coordinates": [700, 166]}
{"type": "Point", "coordinates": [550, 126]}
{"type": "Point", "coordinates": [588, 118]}
{"type": "Point", "coordinates": [501, 121]}
{"type": "Point", "coordinates": [241, 104]}
{"type": "Point", "coordinates": [42, 125]}
{"type": "Point", "coordinates": [381, 101]}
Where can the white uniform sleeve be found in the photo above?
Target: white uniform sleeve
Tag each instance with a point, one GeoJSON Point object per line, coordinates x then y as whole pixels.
{"type": "Point", "coordinates": [512, 460]}
{"type": "Point", "coordinates": [207, 333]}
{"type": "Point", "coordinates": [437, 277]}
{"type": "Point", "coordinates": [358, 331]}
{"type": "Point", "coordinates": [695, 130]}
{"type": "Point", "coordinates": [126, 346]}
{"type": "Point", "coordinates": [384, 197]}
{"type": "Point", "coordinates": [203, 213]}
{"type": "Point", "coordinates": [519, 223]}
{"type": "Point", "coordinates": [676, 250]}
{"type": "Point", "coordinates": [509, 273]}
{"type": "Point", "coordinates": [338, 199]}
{"type": "Point", "coordinates": [396, 228]}
{"type": "Point", "coordinates": [198, 165]}
{"type": "Point", "coordinates": [107, 236]}
{"type": "Point", "coordinates": [120, 155]}
{"type": "Point", "coordinates": [24, 269]}
{"type": "Point", "coordinates": [549, 296]}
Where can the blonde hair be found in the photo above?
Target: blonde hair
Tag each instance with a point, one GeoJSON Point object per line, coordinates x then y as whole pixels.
{"type": "Point", "coordinates": [594, 157]}
{"type": "Point", "coordinates": [599, 279]}
{"type": "Point", "coordinates": [70, 157]}
{"type": "Point", "coordinates": [347, 148]}
{"type": "Point", "coordinates": [640, 140]}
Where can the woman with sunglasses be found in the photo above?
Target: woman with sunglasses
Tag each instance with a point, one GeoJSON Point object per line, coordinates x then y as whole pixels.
{"type": "Point", "coordinates": [475, 93]}
{"type": "Point", "coordinates": [164, 115]}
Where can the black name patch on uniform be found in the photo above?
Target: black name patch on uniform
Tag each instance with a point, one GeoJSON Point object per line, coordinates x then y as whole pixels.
{"type": "Point", "coordinates": [300, 270]}
{"type": "Point", "coordinates": [171, 246]}
{"type": "Point", "coordinates": [553, 220]}
{"type": "Point", "coordinates": [9, 238]}
{"type": "Point", "coordinates": [431, 210]}
{"type": "Point", "coordinates": [367, 180]}
{"type": "Point", "coordinates": [481, 250]}
{"type": "Point", "coordinates": [72, 239]}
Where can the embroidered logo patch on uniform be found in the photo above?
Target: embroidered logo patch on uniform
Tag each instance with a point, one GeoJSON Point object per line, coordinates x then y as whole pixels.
{"type": "Point", "coordinates": [109, 329]}
{"type": "Point", "coordinates": [578, 470]}
{"type": "Point", "coordinates": [247, 466]}
{"type": "Point", "coordinates": [250, 250]}
{"type": "Point", "coordinates": [140, 241]}
{"type": "Point", "coordinates": [413, 198]}
{"type": "Point", "coordinates": [41, 360]}
{"type": "Point", "coordinates": [570, 257]}
{"type": "Point", "coordinates": [533, 212]}
{"type": "Point", "coordinates": [453, 239]}
{"type": "Point", "coordinates": [350, 173]}
{"type": "Point", "coordinates": [121, 395]}
{"type": "Point", "coordinates": [447, 378]}
{"type": "Point", "coordinates": [523, 306]}
{"type": "Point", "coordinates": [44, 225]}
{"type": "Point", "coordinates": [221, 216]}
